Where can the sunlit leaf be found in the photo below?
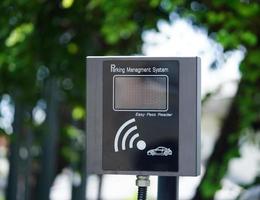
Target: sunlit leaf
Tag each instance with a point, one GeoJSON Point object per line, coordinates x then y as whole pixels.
{"type": "Point", "coordinates": [73, 132]}
{"type": "Point", "coordinates": [72, 48]}
{"type": "Point", "coordinates": [70, 155]}
{"type": "Point", "coordinates": [19, 34]}
{"type": "Point", "coordinates": [67, 3]}
{"type": "Point", "coordinates": [78, 113]}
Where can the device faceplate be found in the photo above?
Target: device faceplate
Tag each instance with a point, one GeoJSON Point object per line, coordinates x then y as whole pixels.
{"type": "Point", "coordinates": [188, 137]}
{"type": "Point", "coordinates": [150, 141]}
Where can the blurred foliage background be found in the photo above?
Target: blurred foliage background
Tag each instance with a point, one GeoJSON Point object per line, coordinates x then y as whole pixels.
{"type": "Point", "coordinates": [43, 45]}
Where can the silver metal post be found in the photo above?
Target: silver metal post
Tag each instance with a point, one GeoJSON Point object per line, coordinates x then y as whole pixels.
{"type": "Point", "coordinates": [142, 182]}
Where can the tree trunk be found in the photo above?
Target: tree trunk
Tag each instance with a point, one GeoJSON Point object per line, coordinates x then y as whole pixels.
{"type": "Point", "coordinates": [79, 192]}
{"type": "Point", "coordinates": [49, 155]}
{"type": "Point", "coordinates": [226, 147]}
{"type": "Point", "coordinates": [28, 165]}
{"type": "Point", "coordinates": [12, 187]}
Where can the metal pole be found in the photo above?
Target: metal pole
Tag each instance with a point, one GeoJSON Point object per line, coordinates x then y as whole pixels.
{"type": "Point", "coordinates": [168, 188]}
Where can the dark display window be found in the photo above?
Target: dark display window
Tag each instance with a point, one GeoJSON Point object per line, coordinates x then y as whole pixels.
{"type": "Point", "coordinates": [143, 92]}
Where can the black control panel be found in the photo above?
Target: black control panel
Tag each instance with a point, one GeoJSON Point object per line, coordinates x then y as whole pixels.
{"type": "Point", "coordinates": [140, 115]}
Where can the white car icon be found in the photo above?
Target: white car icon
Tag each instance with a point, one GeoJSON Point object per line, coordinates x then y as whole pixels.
{"type": "Point", "coordinates": [160, 151]}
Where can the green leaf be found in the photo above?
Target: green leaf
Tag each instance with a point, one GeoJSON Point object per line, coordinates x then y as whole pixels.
{"type": "Point", "coordinates": [215, 18]}
{"type": "Point", "coordinates": [67, 3]}
{"type": "Point", "coordinates": [73, 48]}
{"type": "Point", "coordinates": [227, 39]}
{"type": "Point", "coordinates": [19, 34]}
{"type": "Point", "coordinates": [247, 10]}
{"type": "Point", "coordinates": [154, 3]}
{"type": "Point", "coordinates": [70, 155]}
{"type": "Point", "coordinates": [248, 38]}
{"type": "Point", "coordinates": [72, 132]}
{"type": "Point", "coordinates": [78, 113]}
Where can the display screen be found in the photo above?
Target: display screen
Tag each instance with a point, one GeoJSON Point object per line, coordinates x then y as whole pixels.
{"type": "Point", "coordinates": [143, 92]}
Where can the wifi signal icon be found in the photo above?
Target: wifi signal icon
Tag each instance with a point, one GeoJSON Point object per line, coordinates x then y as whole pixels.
{"type": "Point", "coordinates": [141, 145]}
